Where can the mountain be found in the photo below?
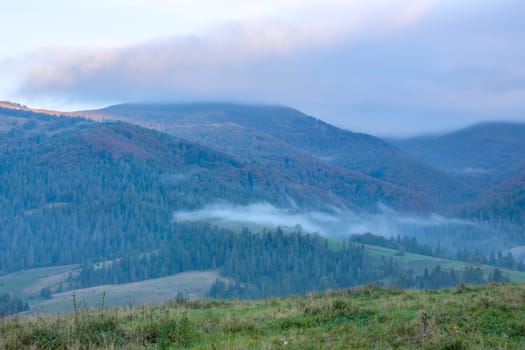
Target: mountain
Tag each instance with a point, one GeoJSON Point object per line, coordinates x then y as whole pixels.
{"type": "Point", "coordinates": [293, 160]}
{"type": "Point", "coordinates": [280, 137]}
{"type": "Point", "coordinates": [101, 197]}
{"type": "Point", "coordinates": [73, 190]}
{"type": "Point", "coordinates": [504, 202]}
{"type": "Point", "coordinates": [306, 180]}
{"type": "Point", "coordinates": [490, 156]}
{"type": "Point", "coordinates": [483, 154]}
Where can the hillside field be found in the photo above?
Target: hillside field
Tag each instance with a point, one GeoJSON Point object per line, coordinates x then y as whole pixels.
{"type": "Point", "coordinates": [467, 317]}
{"type": "Point", "coordinates": [418, 262]}
{"type": "Point", "coordinates": [27, 284]}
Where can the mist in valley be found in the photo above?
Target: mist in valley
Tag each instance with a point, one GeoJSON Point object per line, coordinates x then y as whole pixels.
{"type": "Point", "coordinates": [433, 229]}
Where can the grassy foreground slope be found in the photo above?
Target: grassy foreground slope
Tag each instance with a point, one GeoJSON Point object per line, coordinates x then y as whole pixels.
{"type": "Point", "coordinates": [480, 317]}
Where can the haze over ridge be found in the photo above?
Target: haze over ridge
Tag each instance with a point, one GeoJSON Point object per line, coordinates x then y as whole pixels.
{"type": "Point", "coordinates": [381, 67]}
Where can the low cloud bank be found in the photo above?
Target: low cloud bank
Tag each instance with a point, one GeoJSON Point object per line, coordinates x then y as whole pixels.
{"type": "Point", "coordinates": [340, 223]}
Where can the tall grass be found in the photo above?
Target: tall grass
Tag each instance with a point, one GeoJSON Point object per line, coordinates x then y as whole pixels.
{"type": "Point", "coordinates": [480, 317]}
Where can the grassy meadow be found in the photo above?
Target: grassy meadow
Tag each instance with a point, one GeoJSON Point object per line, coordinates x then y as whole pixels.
{"type": "Point", "coordinates": [467, 317]}
{"type": "Point", "coordinates": [418, 262]}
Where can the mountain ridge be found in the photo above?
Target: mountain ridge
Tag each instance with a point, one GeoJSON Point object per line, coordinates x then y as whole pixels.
{"type": "Point", "coordinates": [280, 140]}
{"type": "Point", "coordinates": [481, 153]}
{"type": "Point", "coordinates": [218, 125]}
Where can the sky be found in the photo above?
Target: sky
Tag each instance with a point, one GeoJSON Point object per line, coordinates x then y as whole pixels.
{"type": "Point", "coordinates": [390, 68]}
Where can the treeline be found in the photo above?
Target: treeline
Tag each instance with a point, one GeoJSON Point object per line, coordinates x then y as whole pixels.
{"type": "Point", "coordinates": [439, 278]}
{"type": "Point", "coordinates": [405, 243]}
{"type": "Point", "coordinates": [253, 265]}
{"type": "Point", "coordinates": [500, 260]}
{"type": "Point", "coordinates": [412, 245]}
{"type": "Point", "coordinates": [272, 263]}
{"type": "Point", "coordinates": [10, 305]}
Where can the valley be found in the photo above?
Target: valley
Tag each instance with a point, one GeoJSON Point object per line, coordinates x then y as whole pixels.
{"type": "Point", "coordinates": [262, 175]}
{"type": "Point", "coordinates": [158, 188]}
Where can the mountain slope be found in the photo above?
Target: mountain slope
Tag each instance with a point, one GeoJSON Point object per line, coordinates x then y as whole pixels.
{"type": "Point", "coordinates": [481, 154]}
{"type": "Point", "coordinates": [296, 177]}
{"type": "Point", "coordinates": [504, 202]}
{"type": "Point", "coordinates": [273, 135]}
{"type": "Point", "coordinates": [491, 156]}
{"type": "Point", "coordinates": [72, 190]}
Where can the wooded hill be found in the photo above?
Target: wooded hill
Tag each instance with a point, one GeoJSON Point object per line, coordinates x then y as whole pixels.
{"type": "Point", "coordinates": [76, 191]}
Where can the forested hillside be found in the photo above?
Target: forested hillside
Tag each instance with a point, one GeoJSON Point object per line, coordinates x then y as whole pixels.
{"type": "Point", "coordinates": [73, 190]}
{"type": "Point", "coordinates": [504, 202]}
{"type": "Point", "coordinates": [282, 138]}
{"type": "Point", "coordinates": [260, 265]}
{"type": "Point", "coordinates": [253, 265]}
{"type": "Point", "coordinates": [453, 174]}
{"type": "Point", "coordinates": [103, 195]}
{"type": "Point", "coordinates": [77, 191]}
{"type": "Point", "coordinates": [482, 154]}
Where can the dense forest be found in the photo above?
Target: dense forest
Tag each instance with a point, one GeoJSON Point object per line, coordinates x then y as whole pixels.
{"type": "Point", "coordinates": [272, 263]}
{"type": "Point", "coordinates": [73, 191]}
{"type": "Point", "coordinates": [253, 265]}
{"type": "Point", "coordinates": [267, 135]}
{"type": "Point", "coordinates": [439, 278]}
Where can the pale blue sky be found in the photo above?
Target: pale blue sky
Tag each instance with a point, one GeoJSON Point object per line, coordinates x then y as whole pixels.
{"type": "Point", "coordinates": [384, 67]}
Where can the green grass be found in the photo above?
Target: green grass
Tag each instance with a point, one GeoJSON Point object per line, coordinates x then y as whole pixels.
{"type": "Point", "coordinates": [480, 317]}
{"type": "Point", "coordinates": [152, 291]}
{"type": "Point", "coordinates": [28, 283]}
{"type": "Point", "coordinates": [334, 243]}
{"type": "Point", "coordinates": [419, 262]}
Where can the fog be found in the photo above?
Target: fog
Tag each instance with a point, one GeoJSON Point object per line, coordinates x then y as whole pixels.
{"type": "Point", "coordinates": [339, 223]}
{"type": "Point", "coordinates": [433, 229]}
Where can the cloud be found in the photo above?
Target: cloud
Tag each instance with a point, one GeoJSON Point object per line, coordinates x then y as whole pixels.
{"type": "Point", "coordinates": [386, 67]}
{"type": "Point", "coordinates": [221, 62]}
{"type": "Point", "coordinates": [340, 223]}
{"type": "Point", "coordinates": [472, 171]}
{"type": "Point", "coordinates": [433, 229]}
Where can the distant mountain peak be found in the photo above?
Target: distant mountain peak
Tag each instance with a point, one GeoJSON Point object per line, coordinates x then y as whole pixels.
{"type": "Point", "coordinates": [13, 105]}
{"type": "Point", "coordinates": [281, 137]}
{"type": "Point", "coordinates": [21, 107]}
